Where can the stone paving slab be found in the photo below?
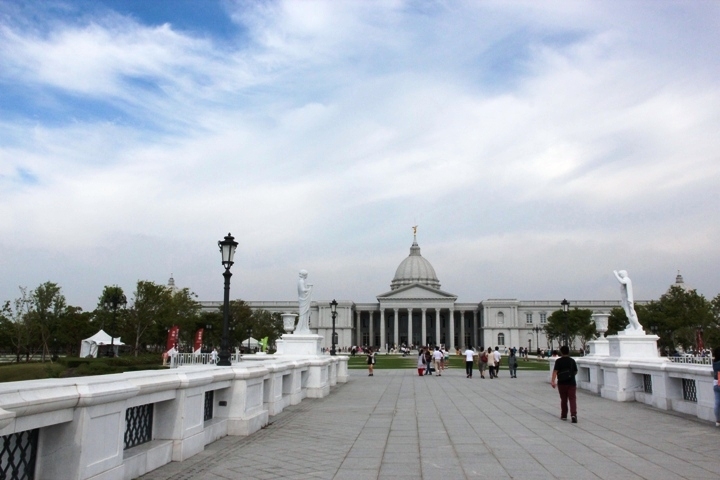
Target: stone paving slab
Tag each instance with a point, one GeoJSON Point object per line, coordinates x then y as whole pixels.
{"type": "Point", "coordinates": [397, 425]}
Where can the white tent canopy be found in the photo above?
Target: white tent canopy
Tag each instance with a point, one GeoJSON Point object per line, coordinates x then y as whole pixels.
{"type": "Point", "coordinates": [90, 345]}
{"type": "Point", "coordinates": [254, 343]}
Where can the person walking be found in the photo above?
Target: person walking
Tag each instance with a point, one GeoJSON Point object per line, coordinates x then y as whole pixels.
{"type": "Point", "coordinates": [491, 363]}
{"type": "Point", "coordinates": [438, 358]}
{"type": "Point", "coordinates": [446, 357]}
{"type": "Point", "coordinates": [469, 360]}
{"type": "Point", "coordinates": [482, 362]}
{"type": "Point", "coordinates": [512, 364]}
{"type": "Point", "coordinates": [716, 383]}
{"type": "Point", "coordinates": [497, 357]}
{"type": "Point", "coordinates": [427, 356]}
{"type": "Point", "coordinates": [563, 377]}
{"type": "Point", "coordinates": [421, 362]}
{"type": "Point", "coordinates": [370, 361]}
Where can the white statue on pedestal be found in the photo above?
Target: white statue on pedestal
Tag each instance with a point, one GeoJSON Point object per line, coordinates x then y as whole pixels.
{"type": "Point", "coordinates": [304, 294]}
{"type": "Point", "coordinates": [626, 294]}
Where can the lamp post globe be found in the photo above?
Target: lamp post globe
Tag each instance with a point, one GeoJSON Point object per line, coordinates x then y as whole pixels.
{"type": "Point", "coordinates": [227, 251]}
{"type": "Point", "coordinates": [566, 307]}
{"type": "Point", "coordinates": [333, 311]}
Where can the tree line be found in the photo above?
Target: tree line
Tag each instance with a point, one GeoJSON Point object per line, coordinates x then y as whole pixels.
{"type": "Point", "coordinates": [683, 319]}
{"type": "Point", "coordinates": [40, 323]}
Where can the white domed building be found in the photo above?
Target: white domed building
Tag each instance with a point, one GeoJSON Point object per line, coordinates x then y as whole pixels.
{"type": "Point", "coordinates": [417, 311]}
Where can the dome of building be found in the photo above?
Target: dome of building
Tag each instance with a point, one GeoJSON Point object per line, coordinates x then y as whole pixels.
{"type": "Point", "coordinates": [680, 282]}
{"type": "Point", "coordinates": [415, 269]}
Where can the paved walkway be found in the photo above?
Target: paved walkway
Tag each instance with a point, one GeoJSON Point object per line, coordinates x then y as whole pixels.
{"type": "Point", "coordinates": [396, 425]}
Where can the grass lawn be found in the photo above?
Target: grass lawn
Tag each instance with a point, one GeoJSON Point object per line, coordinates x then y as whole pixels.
{"type": "Point", "coordinates": [456, 361]}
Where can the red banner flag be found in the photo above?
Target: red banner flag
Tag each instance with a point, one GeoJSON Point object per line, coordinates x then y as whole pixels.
{"type": "Point", "coordinates": [172, 338]}
{"type": "Point", "coordinates": [198, 340]}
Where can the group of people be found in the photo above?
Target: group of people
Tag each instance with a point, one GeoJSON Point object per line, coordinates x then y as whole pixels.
{"type": "Point", "coordinates": [431, 360]}
{"type": "Point", "coordinates": [489, 360]}
{"type": "Point", "coordinates": [563, 375]}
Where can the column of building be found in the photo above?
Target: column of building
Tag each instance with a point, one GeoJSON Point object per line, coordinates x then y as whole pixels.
{"type": "Point", "coordinates": [410, 327]}
{"type": "Point", "coordinates": [452, 330]}
{"type": "Point", "coordinates": [396, 326]}
{"type": "Point", "coordinates": [371, 328]}
{"type": "Point", "coordinates": [462, 329]}
{"type": "Point", "coordinates": [437, 326]}
{"type": "Point", "coordinates": [383, 335]}
{"type": "Point", "coordinates": [475, 328]}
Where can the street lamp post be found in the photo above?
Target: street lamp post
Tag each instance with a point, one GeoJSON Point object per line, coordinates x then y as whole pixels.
{"type": "Point", "coordinates": [333, 311]}
{"type": "Point", "coordinates": [537, 335]}
{"type": "Point", "coordinates": [566, 306]}
{"type": "Point", "coordinates": [115, 299]}
{"type": "Point", "coordinates": [227, 249]}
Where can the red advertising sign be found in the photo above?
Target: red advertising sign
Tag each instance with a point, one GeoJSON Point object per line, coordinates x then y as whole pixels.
{"type": "Point", "coordinates": [172, 338]}
{"type": "Point", "coordinates": [198, 340]}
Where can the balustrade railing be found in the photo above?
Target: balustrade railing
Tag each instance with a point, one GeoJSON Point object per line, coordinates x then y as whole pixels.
{"type": "Point", "coordinates": [17, 455]}
{"type": "Point", "coordinates": [208, 405]}
{"type": "Point", "coordinates": [692, 360]}
{"type": "Point", "coordinates": [138, 425]}
{"type": "Point", "coordinates": [180, 359]}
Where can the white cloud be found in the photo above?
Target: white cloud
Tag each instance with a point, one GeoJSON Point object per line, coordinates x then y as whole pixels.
{"type": "Point", "coordinates": [520, 138]}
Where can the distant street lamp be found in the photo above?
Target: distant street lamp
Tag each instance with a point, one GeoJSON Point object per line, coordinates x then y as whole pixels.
{"type": "Point", "coordinates": [333, 311]}
{"type": "Point", "coordinates": [227, 249]}
{"type": "Point", "coordinates": [537, 330]}
{"type": "Point", "coordinates": [565, 306]}
{"type": "Point", "coordinates": [115, 299]}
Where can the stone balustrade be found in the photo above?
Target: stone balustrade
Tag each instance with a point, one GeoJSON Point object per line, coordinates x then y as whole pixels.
{"type": "Point", "coordinates": [118, 427]}
{"type": "Point", "coordinates": [629, 369]}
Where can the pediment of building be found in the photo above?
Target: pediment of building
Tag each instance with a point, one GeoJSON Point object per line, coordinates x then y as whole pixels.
{"type": "Point", "coordinates": [416, 291]}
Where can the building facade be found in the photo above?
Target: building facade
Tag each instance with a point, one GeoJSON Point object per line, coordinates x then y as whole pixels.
{"type": "Point", "coordinates": [417, 311]}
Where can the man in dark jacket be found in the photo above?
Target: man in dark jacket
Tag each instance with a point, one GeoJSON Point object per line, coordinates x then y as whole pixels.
{"type": "Point", "coordinates": [564, 377]}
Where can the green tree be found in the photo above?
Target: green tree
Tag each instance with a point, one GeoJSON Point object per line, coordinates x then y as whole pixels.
{"type": "Point", "coordinates": [75, 325]}
{"type": "Point", "coordinates": [677, 317]}
{"type": "Point", "coordinates": [579, 327]}
{"type": "Point", "coordinates": [685, 312]}
{"type": "Point", "coordinates": [618, 321]}
{"type": "Point", "coordinates": [111, 312]}
{"type": "Point", "coordinates": [241, 323]}
{"type": "Point", "coordinates": [48, 304]}
{"type": "Point", "coordinates": [712, 333]}
{"type": "Point", "coordinates": [17, 313]}
{"type": "Point", "coordinates": [212, 322]}
{"type": "Point", "coordinates": [185, 313]}
{"type": "Point", "coordinates": [266, 324]}
{"type": "Point", "coordinates": [152, 306]}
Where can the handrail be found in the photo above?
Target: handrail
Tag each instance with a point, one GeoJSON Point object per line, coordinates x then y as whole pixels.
{"type": "Point", "coordinates": [182, 359]}
{"type": "Point", "coordinates": [692, 360]}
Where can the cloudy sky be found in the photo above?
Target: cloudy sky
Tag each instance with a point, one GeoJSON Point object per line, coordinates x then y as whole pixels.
{"type": "Point", "coordinates": [538, 145]}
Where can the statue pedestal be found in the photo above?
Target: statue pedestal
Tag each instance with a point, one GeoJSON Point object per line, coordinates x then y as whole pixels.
{"type": "Point", "coordinates": [599, 348]}
{"type": "Point", "coordinates": [608, 369]}
{"type": "Point", "coordinates": [627, 350]}
{"type": "Point", "coordinates": [627, 346]}
{"type": "Point", "coordinates": [294, 344]}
